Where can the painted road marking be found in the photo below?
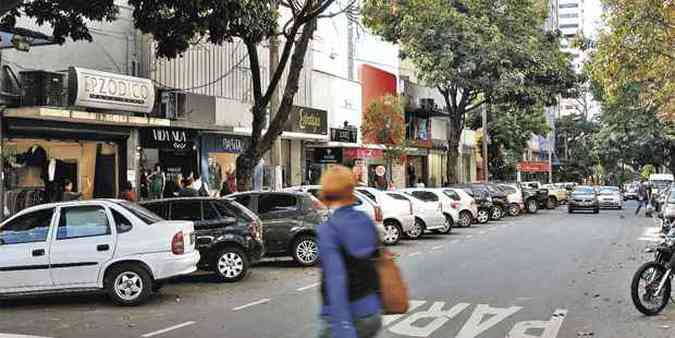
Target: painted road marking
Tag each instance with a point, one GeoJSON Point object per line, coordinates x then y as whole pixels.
{"type": "Point", "coordinates": [416, 253]}
{"type": "Point", "coordinates": [436, 247]}
{"type": "Point", "coordinates": [454, 241]}
{"type": "Point", "coordinates": [651, 234]}
{"type": "Point", "coordinates": [482, 232]}
{"type": "Point", "coordinates": [257, 302]}
{"type": "Point", "coordinates": [469, 236]}
{"type": "Point", "coordinates": [307, 287]}
{"type": "Point", "coordinates": [11, 335]}
{"type": "Point", "coordinates": [425, 321]}
{"type": "Point", "coordinates": [168, 329]}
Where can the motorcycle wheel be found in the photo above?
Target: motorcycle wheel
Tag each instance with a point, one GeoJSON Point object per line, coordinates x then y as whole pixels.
{"type": "Point", "coordinates": [649, 274]}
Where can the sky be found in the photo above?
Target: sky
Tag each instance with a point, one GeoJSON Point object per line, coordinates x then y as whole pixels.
{"type": "Point", "coordinates": [592, 17]}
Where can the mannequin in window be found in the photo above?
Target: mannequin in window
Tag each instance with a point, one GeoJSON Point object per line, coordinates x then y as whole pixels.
{"type": "Point", "coordinates": [157, 181]}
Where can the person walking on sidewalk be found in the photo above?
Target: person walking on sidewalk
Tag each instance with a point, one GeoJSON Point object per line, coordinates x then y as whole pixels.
{"type": "Point", "coordinates": [348, 244]}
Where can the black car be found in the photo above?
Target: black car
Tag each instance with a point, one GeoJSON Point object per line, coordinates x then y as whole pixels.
{"type": "Point", "coordinates": [584, 198]}
{"type": "Point", "coordinates": [229, 236]}
{"type": "Point", "coordinates": [499, 199]}
{"type": "Point", "coordinates": [482, 198]}
{"type": "Point", "coordinates": [534, 198]}
{"type": "Point", "coordinates": [290, 220]}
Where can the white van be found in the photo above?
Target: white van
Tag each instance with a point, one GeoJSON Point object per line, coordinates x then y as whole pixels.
{"type": "Point", "coordinates": [661, 181]}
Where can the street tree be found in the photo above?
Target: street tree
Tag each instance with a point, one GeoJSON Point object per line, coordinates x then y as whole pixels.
{"type": "Point", "coordinates": [384, 123]}
{"type": "Point", "coordinates": [67, 18]}
{"type": "Point", "coordinates": [475, 52]}
{"type": "Point", "coordinates": [176, 24]}
{"type": "Point", "coordinates": [574, 146]}
{"type": "Point", "coordinates": [638, 46]}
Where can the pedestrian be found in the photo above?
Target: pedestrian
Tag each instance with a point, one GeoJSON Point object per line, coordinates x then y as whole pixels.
{"type": "Point", "coordinates": [68, 193]}
{"type": "Point", "coordinates": [157, 181]}
{"type": "Point", "coordinates": [201, 186]}
{"type": "Point", "coordinates": [128, 192]}
{"type": "Point", "coordinates": [348, 244]}
{"type": "Point", "coordinates": [188, 189]}
{"type": "Point", "coordinates": [643, 196]}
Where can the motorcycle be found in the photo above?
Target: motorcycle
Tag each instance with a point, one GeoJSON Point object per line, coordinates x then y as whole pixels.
{"type": "Point", "coordinates": [652, 282]}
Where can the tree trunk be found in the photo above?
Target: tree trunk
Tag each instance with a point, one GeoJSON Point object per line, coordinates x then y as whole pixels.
{"type": "Point", "coordinates": [246, 163]}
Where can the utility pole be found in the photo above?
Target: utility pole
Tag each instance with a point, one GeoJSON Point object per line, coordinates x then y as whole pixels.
{"type": "Point", "coordinates": [486, 139]}
{"type": "Point", "coordinates": [277, 175]}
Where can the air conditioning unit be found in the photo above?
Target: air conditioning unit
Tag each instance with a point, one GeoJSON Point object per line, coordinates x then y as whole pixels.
{"type": "Point", "coordinates": [172, 105]}
{"type": "Point", "coordinates": [42, 88]}
{"type": "Point", "coordinates": [427, 104]}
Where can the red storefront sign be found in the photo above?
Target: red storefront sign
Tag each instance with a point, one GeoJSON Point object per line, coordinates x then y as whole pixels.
{"type": "Point", "coordinates": [362, 153]}
{"type": "Point", "coordinates": [534, 166]}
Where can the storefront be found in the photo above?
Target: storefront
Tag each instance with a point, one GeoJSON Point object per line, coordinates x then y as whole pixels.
{"type": "Point", "coordinates": [417, 167]}
{"type": "Point", "coordinates": [219, 157]}
{"type": "Point", "coordinates": [174, 149]}
{"type": "Point", "coordinates": [438, 163]}
{"type": "Point", "coordinates": [305, 125]}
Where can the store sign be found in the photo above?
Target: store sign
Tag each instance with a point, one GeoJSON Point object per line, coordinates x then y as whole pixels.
{"type": "Point", "coordinates": [534, 166]}
{"type": "Point", "coordinates": [168, 138]}
{"type": "Point", "coordinates": [328, 155]}
{"type": "Point", "coordinates": [216, 143]}
{"type": "Point", "coordinates": [96, 89]}
{"type": "Point", "coordinates": [363, 153]}
{"type": "Point", "coordinates": [307, 120]}
{"type": "Point", "coordinates": [343, 135]}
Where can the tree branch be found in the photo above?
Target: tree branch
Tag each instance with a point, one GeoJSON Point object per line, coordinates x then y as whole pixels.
{"type": "Point", "coordinates": [283, 60]}
{"type": "Point", "coordinates": [8, 5]}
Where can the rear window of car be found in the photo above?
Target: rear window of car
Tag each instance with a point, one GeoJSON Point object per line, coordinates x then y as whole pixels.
{"type": "Point", "coordinates": [452, 194]}
{"type": "Point", "coordinates": [145, 215]}
{"type": "Point", "coordinates": [398, 197]}
{"type": "Point", "coordinates": [187, 210]}
{"type": "Point", "coordinates": [276, 202]}
{"type": "Point", "coordinates": [508, 189]}
{"type": "Point", "coordinates": [368, 194]}
{"type": "Point", "coordinates": [233, 209]}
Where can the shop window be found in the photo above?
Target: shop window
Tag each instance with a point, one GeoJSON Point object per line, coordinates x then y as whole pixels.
{"type": "Point", "coordinates": [32, 227]}
{"type": "Point", "coordinates": [276, 202]}
{"type": "Point", "coordinates": [189, 210]}
{"type": "Point", "coordinates": [84, 221]}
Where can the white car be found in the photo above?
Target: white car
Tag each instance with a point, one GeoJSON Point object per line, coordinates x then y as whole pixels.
{"type": "Point", "coordinates": [100, 245]}
{"type": "Point", "coordinates": [397, 216]}
{"type": "Point", "coordinates": [610, 197]}
{"type": "Point", "coordinates": [461, 212]}
{"type": "Point", "coordinates": [361, 203]}
{"type": "Point", "coordinates": [514, 195]}
{"type": "Point", "coordinates": [467, 205]}
{"type": "Point", "coordinates": [428, 215]}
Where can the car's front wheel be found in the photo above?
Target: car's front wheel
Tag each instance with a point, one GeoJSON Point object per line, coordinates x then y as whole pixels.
{"type": "Point", "coordinates": [392, 233]}
{"type": "Point", "coordinates": [483, 216]}
{"type": "Point", "coordinates": [230, 265]}
{"type": "Point", "coordinates": [306, 250]}
{"type": "Point", "coordinates": [514, 210]}
{"type": "Point", "coordinates": [417, 230]}
{"type": "Point", "coordinates": [532, 206]}
{"type": "Point", "coordinates": [128, 284]}
{"type": "Point", "coordinates": [497, 213]}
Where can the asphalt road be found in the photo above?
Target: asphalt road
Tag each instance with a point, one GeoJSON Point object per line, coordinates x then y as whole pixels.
{"type": "Point", "coordinates": [546, 275]}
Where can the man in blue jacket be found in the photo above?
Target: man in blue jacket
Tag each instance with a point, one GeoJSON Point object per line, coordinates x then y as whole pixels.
{"type": "Point", "coordinates": [348, 242]}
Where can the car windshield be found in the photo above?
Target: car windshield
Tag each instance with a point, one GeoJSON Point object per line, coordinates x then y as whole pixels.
{"type": "Point", "coordinates": [142, 213]}
{"type": "Point", "coordinates": [583, 190]}
{"type": "Point", "coordinates": [660, 184]}
{"type": "Point", "coordinates": [608, 191]}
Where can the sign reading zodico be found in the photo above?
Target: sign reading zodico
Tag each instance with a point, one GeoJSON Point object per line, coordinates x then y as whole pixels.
{"type": "Point", "coordinates": [96, 89]}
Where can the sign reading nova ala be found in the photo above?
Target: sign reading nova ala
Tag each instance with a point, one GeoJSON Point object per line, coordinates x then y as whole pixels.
{"type": "Point", "coordinates": [96, 89]}
{"type": "Point", "coordinates": [175, 139]}
{"type": "Point", "coordinates": [307, 120]}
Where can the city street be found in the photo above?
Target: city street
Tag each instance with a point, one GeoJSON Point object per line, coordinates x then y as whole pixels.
{"type": "Point", "coordinates": [560, 275]}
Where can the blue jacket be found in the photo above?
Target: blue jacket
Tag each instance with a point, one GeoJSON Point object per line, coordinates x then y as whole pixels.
{"type": "Point", "coordinates": [355, 232]}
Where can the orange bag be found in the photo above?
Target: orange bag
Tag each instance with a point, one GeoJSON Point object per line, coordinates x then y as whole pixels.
{"type": "Point", "coordinates": [393, 289]}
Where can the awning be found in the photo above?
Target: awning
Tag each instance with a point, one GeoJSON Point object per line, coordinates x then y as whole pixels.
{"type": "Point", "coordinates": [420, 112]}
{"type": "Point", "coordinates": [33, 38]}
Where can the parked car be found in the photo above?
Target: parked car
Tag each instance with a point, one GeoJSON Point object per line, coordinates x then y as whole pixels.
{"type": "Point", "coordinates": [610, 197]}
{"type": "Point", "coordinates": [101, 245]}
{"type": "Point", "coordinates": [544, 197]}
{"type": "Point", "coordinates": [557, 194]}
{"type": "Point", "coordinates": [361, 203]}
{"type": "Point", "coordinates": [289, 222]}
{"type": "Point", "coordinates": [482, 199]}
{"type": "Point", "coordinates": [398, 217]}
{"type": "Point", "coordinates": [514, 195]}
{"type": "Point", "coordinates": [229, 236]}
{"type": "Point", "coordinates": [534, 198]}
{"type": "Point", "coordinates": [497, 197]}
{"type": "Point", "coordinates": [631, 192]}
{"type": "Point", "coordinates": [584, 198]}
{"type": "Point", "coordinates": [461, 212]}
{"type": "Point", "coordinates": [428, 215]}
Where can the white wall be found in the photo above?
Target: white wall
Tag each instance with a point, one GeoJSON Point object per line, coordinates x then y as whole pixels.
{"type": "Point", "coordinates": [340, 97]}
{"type": "Point", "coordinates": [371, 50]}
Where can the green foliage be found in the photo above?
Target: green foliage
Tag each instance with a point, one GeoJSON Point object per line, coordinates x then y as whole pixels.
{"type": "Point", "coordinates": [68, 18]}
{"type": "Point", "coordinates": [646, 171]}
{"type": "Point", "coordinates": [384, 123]}
{"type": "Point", "coordinates": [574, 146]}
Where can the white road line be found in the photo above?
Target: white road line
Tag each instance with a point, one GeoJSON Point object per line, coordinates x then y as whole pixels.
{"type": "Point", "coordinates": [455, 241]}
{"type": "Point", "coordinates": [436, 247]}
{"type": "Point", "coordinates": [257, 302]}
{"type": "Point", "coordinates": [482, 232]}
{"type": "Point", "coordinates": [307, 287]}
{"type": "Point", "coordinates": [469, 236]}
{"type": "Point", "coordinates": [168, 329]}
{"type": "Point", "coordinates": [417, 253]}
{"type": "Point", "coordinates": [11, 335]}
